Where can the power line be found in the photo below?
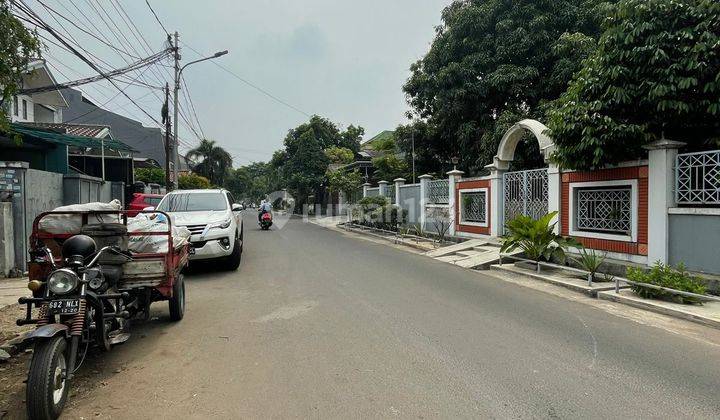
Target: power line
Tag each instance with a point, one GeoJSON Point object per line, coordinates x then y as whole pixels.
{"type": "Point", "coordinates": [134, 66]}
{"type": "Point", "coordinates": [249, 83]}
{"type": "Point", "coordinates": [94, 66]}
{"type": "Point", "coordinates": [188, 96]}
{"type": "Point", "coordinates": [53, 11]}
{"type": "Point", "coordinates": [38, 25]}
{"type": "Point", "coordinates": [101, 105]}
{"type": "Point", "coordinates": [157, 18]}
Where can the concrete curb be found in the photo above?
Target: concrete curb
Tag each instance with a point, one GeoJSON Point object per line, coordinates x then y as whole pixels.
{"type": "Point", "coordinates": [660, 307]}
{"type": "Point", "coordinates": [591, 291]}
{"type": "Point", "coordinates": [392, 239]}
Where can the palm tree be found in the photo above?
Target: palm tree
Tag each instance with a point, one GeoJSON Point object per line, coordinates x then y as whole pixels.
{"type": "Point", "coordinates": [215, 162]}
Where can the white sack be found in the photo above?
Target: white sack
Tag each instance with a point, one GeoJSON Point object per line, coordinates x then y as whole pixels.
{"type": "Point", "coordinates": [68, 223]}
{"type": "Point", "coordinates": [154, 243]}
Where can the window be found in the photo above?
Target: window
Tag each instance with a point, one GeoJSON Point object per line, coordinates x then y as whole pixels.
{"type": "Point", "coordinates": [24, 103]}
{"type": "Point", "coordinates": [153, 201]}
{"type": "Point", "coordinates": [210, 201]}
{"type": "Point", "coordinates": [16, 108]}
{"type": "Point", "coordinates": [605, 210]}
{"type": "Point", "coordinates": [474, 207]}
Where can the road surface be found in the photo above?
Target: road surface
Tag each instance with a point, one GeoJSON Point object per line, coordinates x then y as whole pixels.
{"type": "Point", "coordinates": [320, 324]}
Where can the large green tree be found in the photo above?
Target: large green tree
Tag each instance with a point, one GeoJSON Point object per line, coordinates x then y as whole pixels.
{"type": "Point", "coordinates": [656, 72]}
{"type": "Point", "coordinates": [492, 63]}
{"type": "Point", "coordinates": [214, 161]}
{"type": "Point", "coordinates": [18, 46]}
{"type": "Point", "coordinates": [304, 169]}
{"type": "Point", "coordinates": [301, 166]}
{"type": "Point", "coordinates": [250, 182]}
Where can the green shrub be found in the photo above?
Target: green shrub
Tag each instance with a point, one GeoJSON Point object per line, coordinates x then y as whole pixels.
{"type": "Point", "coordinates": [666, 276]}
{"type": "Point", "coordinates": [590, 261]}
{"type": "Point", "coordinates": [192, 182]}
{"type": "Point", "coordinates": [377, 212]}
{"type": "Point", "coordinates": [536, 238]}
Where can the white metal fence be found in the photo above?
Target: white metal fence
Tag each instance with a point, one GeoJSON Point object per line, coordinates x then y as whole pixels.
{"type": "Point", "coordinates": [697, 178]}
{"type": "Point", "coordinates": [373, 192]}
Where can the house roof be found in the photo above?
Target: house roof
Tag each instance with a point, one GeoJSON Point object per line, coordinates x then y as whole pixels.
{"type": "Point", "coordinates": [146, 163]}
{"type": "Point", "coordinates": [148, 141]}
{"type": "Point", "coordinates": [56, 137]}
{"type": "Point", "coordinates": [81, 130]}
{"type": "Point", "coordinates": [382, 136]}
{"type": "Point", "coordinates": [38, 74]}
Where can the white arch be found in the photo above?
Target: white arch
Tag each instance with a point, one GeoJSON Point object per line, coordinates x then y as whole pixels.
{"type": "Point", "coordinates": [506, 150]}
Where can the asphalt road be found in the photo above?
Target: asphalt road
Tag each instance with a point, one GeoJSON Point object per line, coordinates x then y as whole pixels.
{"type": "Point", "coordinates": [324, 325]}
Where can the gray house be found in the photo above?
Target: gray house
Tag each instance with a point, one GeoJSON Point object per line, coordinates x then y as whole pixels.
{"type": "Point", "coordinates": [148, 141]}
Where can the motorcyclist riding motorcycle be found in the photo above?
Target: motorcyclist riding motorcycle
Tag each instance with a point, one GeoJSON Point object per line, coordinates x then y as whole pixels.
{"type": "Point", "coordinates": [265, 214]}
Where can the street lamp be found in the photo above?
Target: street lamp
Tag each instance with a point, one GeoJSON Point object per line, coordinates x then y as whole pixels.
{"type": "Point", "coordinates": [455, 161]}
{"type": "Point", "coordinates": [178, 74]}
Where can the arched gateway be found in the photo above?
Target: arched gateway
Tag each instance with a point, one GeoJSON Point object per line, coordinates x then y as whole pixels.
{"type": "Point", "coordinates": [524, 192]}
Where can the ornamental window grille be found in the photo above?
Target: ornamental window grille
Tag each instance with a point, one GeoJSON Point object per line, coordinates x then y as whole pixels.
{"type": "Point", "coordinates": [473, 206]}
{"type": "Point", "coordinates": [697, 179]}
{"type": "Point", "coordinates": [604, 209]}
{"type": "Point", "coordinates": [438, 191]}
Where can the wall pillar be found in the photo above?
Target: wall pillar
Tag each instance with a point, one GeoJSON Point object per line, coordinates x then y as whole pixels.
{"type": "Point", "coordinates": [365, 189]}
{"type": "Point", "coordinates": [454, 177]}
{"type": "Point", "coordinates": [554, 188]}
{"type": "Point", "coordinates": [7, 239]}
{"type": "Point", "coordinates": [399, 182]}
{"type": "Point", "coordinates": [496, 200]}
{"type": "Point", "coordinates": [424, 198]}
{"type": "Point", "coordinates": [661, 184]}
{"type": "Point", "coordinates": [341, 203]}
{"type": "Point", "coordinates": [383, 188]}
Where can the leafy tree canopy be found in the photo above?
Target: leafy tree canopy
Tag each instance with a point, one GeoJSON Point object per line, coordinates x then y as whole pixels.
{"type": "Point", "coordinates": [346, 182]}
{"type": "Point", "coordinates": [150, 175]}
{"type": "Point", "coordinates": [192, 182]}
{"type": "Point", "coordinates": [493, 62]}
{"type": "Point", "coordinates": [18, 46]}
{"type": "Point", "coordinates": [250, 183]}
{"type": "Point", "coordinates": [656, 71]}
{"type": "Point", "coordinates": [339, 155]}
{"type": "Point", "coordinates": [215, 162]}
{"type": "Point", "coordinates": [390, 167]}
{"type": "Point", "coordinates": [326, 134]}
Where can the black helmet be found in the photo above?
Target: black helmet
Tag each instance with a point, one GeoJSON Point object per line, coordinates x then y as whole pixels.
{"type": "Point", "coordinates": [81, 245]}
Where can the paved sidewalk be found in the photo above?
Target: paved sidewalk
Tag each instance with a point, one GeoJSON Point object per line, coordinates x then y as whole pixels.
{"type": "Point", "coordinates": [11, 290]}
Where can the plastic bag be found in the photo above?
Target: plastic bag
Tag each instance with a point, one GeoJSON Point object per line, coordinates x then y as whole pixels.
{"type": "Point", "coordinates": [72, 224]}
{"type": "Point", "coordinates": [154, 243]}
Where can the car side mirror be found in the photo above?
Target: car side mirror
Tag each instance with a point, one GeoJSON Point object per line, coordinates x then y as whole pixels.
{"type": "Point", "coordinates": [236, 207]}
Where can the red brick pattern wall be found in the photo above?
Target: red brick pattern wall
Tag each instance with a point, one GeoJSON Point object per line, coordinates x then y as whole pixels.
{"type": "Point", "coordinates": [467, 185]}
{"type": "Point", "coordinates": [635, 172]}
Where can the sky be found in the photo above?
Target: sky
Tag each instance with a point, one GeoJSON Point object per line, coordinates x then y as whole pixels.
{"type": "Point", "coordinates": [345, 60]}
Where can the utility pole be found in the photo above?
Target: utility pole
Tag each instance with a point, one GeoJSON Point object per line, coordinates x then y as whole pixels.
{"type": "Point", "coordinates": [168, 147]}
{"type": "Point", "coordinates": [413, 153]}
{"type": "Point", "coordinates": [175, 119]}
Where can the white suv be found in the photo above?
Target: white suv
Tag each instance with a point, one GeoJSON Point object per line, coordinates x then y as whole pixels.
{"type": "Point", "coordinates": [213, 218]}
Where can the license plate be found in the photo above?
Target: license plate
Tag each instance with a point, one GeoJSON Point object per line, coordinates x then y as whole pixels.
{"type": "Point", "coordinates": [65, 306]}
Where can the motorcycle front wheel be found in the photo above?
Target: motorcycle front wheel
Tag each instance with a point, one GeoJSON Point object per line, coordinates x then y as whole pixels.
{"type": "Point", "coordinates": [47, 388]}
